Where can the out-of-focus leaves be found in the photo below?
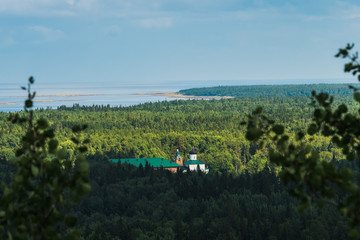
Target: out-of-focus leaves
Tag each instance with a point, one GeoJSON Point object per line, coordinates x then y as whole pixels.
{"type": "Point", "coordinates": [310, 178]}
{"type": "Point", "coordinates": [43, 175]}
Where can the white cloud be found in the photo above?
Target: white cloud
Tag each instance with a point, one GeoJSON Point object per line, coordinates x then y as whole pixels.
{"type": "Point", "coordinates": [354, 16]}
{"type": "Point", "coordinates": [253, 14]}
{"type": "Point", "coordinates": [85, 4]}
{"type": "Point", "coordinates": [156, 22]}
{"type": "Point", "coordinates": [108, 7]}
{"type": "Point", "coordinates": [315, 18]}
{"type": "Point", "coordinates": [160, 13]}
{"type": "Point", "coordinates": [352, 13]}
{"type": "Point", "coordinates": [347, 11]}
{"type": "Point", "coordinates": [22, 6]}
{"type": "Point", "coordinates": [48, 33]}
{"type": "Point", "coordinates": [46, 7]}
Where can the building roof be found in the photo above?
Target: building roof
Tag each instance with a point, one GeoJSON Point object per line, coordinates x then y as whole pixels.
{"type": "Point", "coordinates": [177, 155]}
{"type": "Point", "coordinates": [193, 151]}
{"type": "Point", "coordinates": [196, 162]}
{"type": "Point", "coordinates": [153, 162]}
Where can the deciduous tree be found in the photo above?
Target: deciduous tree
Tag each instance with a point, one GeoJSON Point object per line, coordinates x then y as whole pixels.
{"type": "Point", "coordinates": [314, 180]}
{"type": "Point", "coordinates": [46, 183]}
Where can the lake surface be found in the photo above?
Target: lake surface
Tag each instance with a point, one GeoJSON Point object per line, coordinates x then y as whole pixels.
{"type": "Point", "coordinates": [54, 95]}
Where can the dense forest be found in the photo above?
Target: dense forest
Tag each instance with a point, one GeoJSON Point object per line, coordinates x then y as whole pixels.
{"type": "Point", "coordinates": [271, 90]}
{"type": "Point", "coordinates": [157, 129]}
{"type": "Point", "coordinates": [140, 203]}
{"type": "Point", "coordinates": [213, 127]}
{"type": "Point", "coordinates": [241, 198]}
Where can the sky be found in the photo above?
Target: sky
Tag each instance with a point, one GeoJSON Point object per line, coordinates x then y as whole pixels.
{"type": "Point", "coordinates": [172, 41]}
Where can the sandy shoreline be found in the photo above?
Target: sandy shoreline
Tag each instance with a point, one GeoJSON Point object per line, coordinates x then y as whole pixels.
{"type": "Point", "coordinates": [177, 95]}
{"type": "Point", "coordinates": [69, 95]}
{"type": "Point", "coordinates": [7, 103]}
{"type": "Point", "coordinates": [44, 101]}
{"type": "Point", "coordinates": [57, 95]}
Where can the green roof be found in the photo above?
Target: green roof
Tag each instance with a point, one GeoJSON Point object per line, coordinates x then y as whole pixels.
{"type": "Point", "coordinates": [154, 162]}
{"type": "Point", "coordinates": [177, 155]}
{"type": "Point", "coordinates": [193, 162]}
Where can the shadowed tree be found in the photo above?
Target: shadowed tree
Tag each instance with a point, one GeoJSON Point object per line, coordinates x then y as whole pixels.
{"type": "Point", "coordinates": [314, 180]}
{"type": "Point", "coordinates": [47, 181]}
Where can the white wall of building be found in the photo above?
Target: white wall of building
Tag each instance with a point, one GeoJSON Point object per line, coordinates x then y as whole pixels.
{"type": "Point", "coordinates": [193, 167]}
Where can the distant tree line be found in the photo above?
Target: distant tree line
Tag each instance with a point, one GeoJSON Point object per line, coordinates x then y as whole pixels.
{"type": "Point", "coordinates": [265, 91]}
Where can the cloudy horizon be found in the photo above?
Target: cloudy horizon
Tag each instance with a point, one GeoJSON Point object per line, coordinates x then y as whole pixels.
{"type": "Point", "coordinates": [166, 41]}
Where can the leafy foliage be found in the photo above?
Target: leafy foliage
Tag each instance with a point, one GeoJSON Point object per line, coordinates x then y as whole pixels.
{"type": "Point", "coordinates": [46, 183]}
{"type": "Point", "coordinates": [311, 178]}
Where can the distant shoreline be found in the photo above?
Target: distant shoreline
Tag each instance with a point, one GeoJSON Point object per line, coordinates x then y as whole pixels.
{"type": "Point", "coordinates": [57, 95]}
{"type": "Point", "coordinates": [69, 95]}
{"type": "Point", "coordinates": [178, 95]}
{"type": "Point", "coordinates": [7, 103]}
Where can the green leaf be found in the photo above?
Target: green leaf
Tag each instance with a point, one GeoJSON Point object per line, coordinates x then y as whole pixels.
{"type": "Point", "coordinates": [278, 129]}
{"type": "Point", "coordinates": [302, 207]}
{"type": "Point", "coordinates": [34, 170]}
{"type": "Point", "coordinates": [53, 144]}
{"type": "Point", "coordinates": [28, 103]}
{"type": "Point", "coordinates": [61, 154]}
{"type": "Point", "coordinates": [49, 133]}
{"type": "Point", "coordinates": [76, 128]}
{"type": "Point", "coordinates": [70, 221]}
{"type": "Point", "coordinates": [300, 135]}
{"type": "Point", "coordinates": [42, 123]}
{"type": "Point", "coordinates": [75, 140]}
{"type": "Point", "coordinates": [83, 167]}
{"type": "Point", "coordinates": [83, 149]}
{"type": "Point", "coordinates": [22, 227]}
{"type": "Point", "coordinates": [357, 96]}
{"type": "Point", "coordinates": [31, 80]}
{"type": "Point", "coordinates": [319, 114]}
{"type": "Point", "coordinates": [258, 110]}
{"type": "Point", "coordinates": [84, 189]}
{"type": "Point", "coordinates": [312, 129]}
{"type": "Point", "coordinates": [9, 235]}
{"type": "Point", "coordinates": [253, 134]}
{"type": "Point", "coordinates": [73, 234]}
{"type": "Point", "coordinates": [354, 234]}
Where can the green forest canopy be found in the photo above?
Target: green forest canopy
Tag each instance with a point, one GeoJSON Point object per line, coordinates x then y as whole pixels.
{"type": "Point", "coordinates": [213, 127]}
{"type": "Point", "coordinates": [133, 203]}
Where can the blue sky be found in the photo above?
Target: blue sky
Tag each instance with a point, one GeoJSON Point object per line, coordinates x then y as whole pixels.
{"type": "Point", "coordinates": [165, 41]}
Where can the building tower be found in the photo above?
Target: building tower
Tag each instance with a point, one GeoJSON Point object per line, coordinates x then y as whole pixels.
{"type": "Point", "coordinates": [178, 159]}
{"type": "Point", "coordinates": [193, 164]}
{"type": "Point", "coordinates": [193, 153]}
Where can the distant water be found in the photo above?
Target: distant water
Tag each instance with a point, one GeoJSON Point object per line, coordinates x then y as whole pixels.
{"type": "Point", "coordinates": [54, 95]}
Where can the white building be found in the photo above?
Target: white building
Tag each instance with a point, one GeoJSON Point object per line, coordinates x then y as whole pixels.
{"type": "Point", "coordinates": [194, 164]}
